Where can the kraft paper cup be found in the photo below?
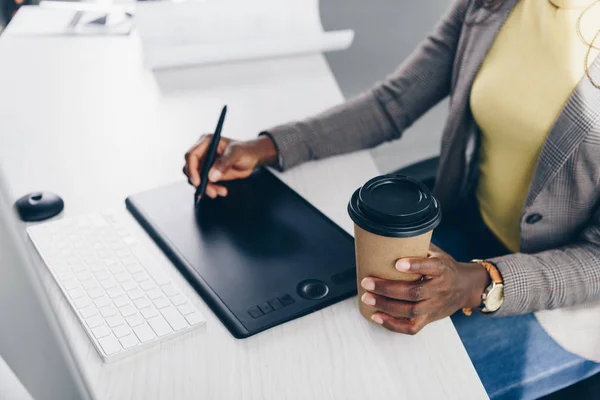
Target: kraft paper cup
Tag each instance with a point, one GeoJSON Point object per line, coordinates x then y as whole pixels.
{"type": "Point", "coordinates": [394, 217]}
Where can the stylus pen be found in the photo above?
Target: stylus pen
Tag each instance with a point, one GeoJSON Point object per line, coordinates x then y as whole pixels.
{"type": "Point", "coordinates": [211, 155]}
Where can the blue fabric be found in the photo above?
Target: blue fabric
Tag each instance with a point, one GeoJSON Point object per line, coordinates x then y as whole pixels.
{"type": "Point", "coordinates": [514, 357]}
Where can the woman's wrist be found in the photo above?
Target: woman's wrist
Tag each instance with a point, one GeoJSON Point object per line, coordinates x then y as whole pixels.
{"type": "Point", "coordinates": [266, 150]}
{"type": "Point", "coordinates": [479, 279]}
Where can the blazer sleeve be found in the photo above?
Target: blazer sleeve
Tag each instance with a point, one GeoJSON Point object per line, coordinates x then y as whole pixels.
{"type": "Point", "coordinates": [562, 277]}
{"type": "Point", "coordinates": [384, 112]}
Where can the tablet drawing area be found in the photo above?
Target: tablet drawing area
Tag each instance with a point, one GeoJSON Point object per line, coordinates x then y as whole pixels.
{"type": "Point", "coordinates": [259, 257]}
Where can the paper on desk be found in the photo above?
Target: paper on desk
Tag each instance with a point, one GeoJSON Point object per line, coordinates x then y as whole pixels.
{"type": "Point", "coordinates": [42, 21]}
{"type": "Point", "coordinates": [218, 31]}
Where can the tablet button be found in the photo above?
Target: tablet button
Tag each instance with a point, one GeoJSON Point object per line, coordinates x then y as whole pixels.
{"type": "Point", "coordinates": [276, 304]}
{"type": "Point", "coordinates": [255, 312]}
{"type": "Point", "coordinates": [265, 308]}
{"type": "Point", "coordinates": [286, 300]}
{"type": "Point", "coordinates": [313, 289]}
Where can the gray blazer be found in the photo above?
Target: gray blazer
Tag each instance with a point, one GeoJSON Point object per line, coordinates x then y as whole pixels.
{"type": "Point", "coordinates": [559, 262]}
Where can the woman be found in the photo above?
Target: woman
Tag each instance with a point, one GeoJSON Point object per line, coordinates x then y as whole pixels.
{"type": "Point", "coordinates": [520, 168]}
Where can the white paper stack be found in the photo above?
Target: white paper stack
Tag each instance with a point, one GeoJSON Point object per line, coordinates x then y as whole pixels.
{"type": "Point", "coordinates": [196, 32]}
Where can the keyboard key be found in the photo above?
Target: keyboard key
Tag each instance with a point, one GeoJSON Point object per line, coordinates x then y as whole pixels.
{"type": "Point", "coordinates": [178, 300]}
{"type": "Point", "coordinates": [185, 309]}
{"type": "Point", "coordinates": [94, 321]}
{"type": "Point", "coordinates": [102, 301]}
{"type": "Point", "coordinates": [135, 320]}
{"type": "Point", "coordinates": [128, 341]}
{"type": "Point", "coordinates": [109, 344]}
{"type": "Point", "coordinates": [72, 284]}
{"type": "Point", "coordinates": [121, 301]}
{"type": "Point", "coordinates": [134, 268]}
{"type": "Point", "coordinates": [114, 321]}
{"type": "Point", "coordinates": [142, 303]}
{"type": "Point", "coordinates": [108, 283]}
{"type": "Point", "coordinates": [128, 260]}
{"type": "Point", "coordinates": [107, 311]}
{"type": "Point", "coordinates": [101, 331]}
{"type": "Point", "coordinates": [76, 293]}
{"type": "Point", "coordinates": [122, 253]}
{"type": "Point", "coordinates": [169, 290]}
{"type": "Point", "coordinates": [173, 317]}
{"type": "Point", "coordinates": [87, 285]}
{"type": "Point", "coordinates": [87, 312]}
{"type": "Point", "coordinates": [110, 261]}
{"type": "Point", "coordinates": [135, 294]}
{"type": "Point", "coordinates": [147, 285]}
{"type": "Point", "coordinates": [116, 269]}
{"type": "Point", "coordinates": [159, 325]}
{"type": "Point", "coordinates": [114, 292]}
{"type": "Point", "coordinates": [129, 240]}
{"type": "Point", "coordinates": [161, 302]}
{"type": "Point", "coordinates": [128, 310]}
{"type": "Point", "coordinates": [144, 333]}
{"type": "Point", "coordinates": [129, 285]}
{"type": "Point", "coordinates": [73, 260]}
{"type": "Point", "coordinates": [96, 266]}
{"type": "Point", "coordinates": [82, 302]}
{"type": "Point", "coordinates": [194, 319]}
{"type": "Point", "coordinates": [160, 278]}
{"type": "Point", "coordinates": [84, 276]}
{"type": "Point", "coordinates": [149, 312]}
{"type": "Point", "coordinates": [122, 276]}
{"type": "Point", "coordinates": [140, 277]}
{"type": "Point", "coordinates": [153, 294]}
{"type": "Point", "coordinates": [102, 275]}
{"type": "Point", "coordinates": [95, 293]}
{"type": "Point", "coordinates": [105, 253]}
{"type": "Point", "coordinates": [121, 330]}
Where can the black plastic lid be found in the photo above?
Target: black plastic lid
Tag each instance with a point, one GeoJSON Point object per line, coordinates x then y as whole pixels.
{"type": "Point", "coordinates": [395, 206]}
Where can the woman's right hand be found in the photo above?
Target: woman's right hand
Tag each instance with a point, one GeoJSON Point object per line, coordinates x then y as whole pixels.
{"type": "Point", "coordinates": [235, 160]}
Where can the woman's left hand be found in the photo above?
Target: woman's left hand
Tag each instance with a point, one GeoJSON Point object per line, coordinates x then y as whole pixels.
{"type": "Point", "coordinates": [447, 286]}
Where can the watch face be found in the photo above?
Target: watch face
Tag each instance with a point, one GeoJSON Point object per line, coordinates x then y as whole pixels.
{"type": "Point", "coordinates": [494, 298]}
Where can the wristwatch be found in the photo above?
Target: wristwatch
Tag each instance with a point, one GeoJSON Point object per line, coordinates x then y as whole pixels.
{"type": "Point", "coordinates": [493, 296]}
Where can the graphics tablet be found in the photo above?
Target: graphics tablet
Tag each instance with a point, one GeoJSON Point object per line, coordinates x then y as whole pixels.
{"type": "Point", "coordinates": [259, 257]}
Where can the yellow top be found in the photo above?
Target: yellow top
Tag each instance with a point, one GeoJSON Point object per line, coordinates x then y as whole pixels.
{"type": "Point", "coordinates": [534, 64]}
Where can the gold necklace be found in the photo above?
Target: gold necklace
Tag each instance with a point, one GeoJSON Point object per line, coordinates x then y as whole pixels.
{"type": "Point", "coordinates": [591, 45]}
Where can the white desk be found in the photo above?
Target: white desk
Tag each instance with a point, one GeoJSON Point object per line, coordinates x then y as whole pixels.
{"type": "Point", "coordinates": [82, 118]}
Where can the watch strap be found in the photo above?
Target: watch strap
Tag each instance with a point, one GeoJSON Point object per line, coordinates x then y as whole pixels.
{"type": "Point", "coordinates": [494, 276]}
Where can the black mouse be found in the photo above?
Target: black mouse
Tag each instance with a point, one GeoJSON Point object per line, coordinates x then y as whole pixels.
{"type": "Point", "coordinates": [39, 206]}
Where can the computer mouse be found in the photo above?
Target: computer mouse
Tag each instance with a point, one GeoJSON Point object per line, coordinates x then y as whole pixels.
{"type": "Point", "coordinates": [39, 206]}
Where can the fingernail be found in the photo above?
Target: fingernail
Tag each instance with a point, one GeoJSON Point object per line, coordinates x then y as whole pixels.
{"type": "Point", "coordinates": [214, 175]}
{"type": "Point", "coordinates": [402, 265]}
{"type": "Point", "coordinates": [368, 284]}
{"type": "Point", "coordinates": [368, 299]}
{"type": "Point", "coordinates": [377, 319]}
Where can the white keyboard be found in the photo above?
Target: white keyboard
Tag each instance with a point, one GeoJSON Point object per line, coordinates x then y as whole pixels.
{"type": "Point", "coordinates": [121, 297]}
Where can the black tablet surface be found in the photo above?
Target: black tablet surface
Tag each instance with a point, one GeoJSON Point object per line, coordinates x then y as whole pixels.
{"type": "Point", "coordinates": [259, 257]}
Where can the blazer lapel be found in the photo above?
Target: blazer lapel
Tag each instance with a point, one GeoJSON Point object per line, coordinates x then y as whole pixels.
{"type": "Point", "coordinates": [580, 114]}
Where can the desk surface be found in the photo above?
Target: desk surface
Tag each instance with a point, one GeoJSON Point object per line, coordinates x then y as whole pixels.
{"type": "Point", "coordinates": [82, 118]}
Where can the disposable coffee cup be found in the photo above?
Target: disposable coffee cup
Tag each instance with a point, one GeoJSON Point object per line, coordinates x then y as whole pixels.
{"type": "Point", "coordinates": [394, 217]}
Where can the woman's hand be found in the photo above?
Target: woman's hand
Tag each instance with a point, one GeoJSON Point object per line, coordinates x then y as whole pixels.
{"type": "Point", "coordinates": [235, 160]}
{"type": "Point", "coordinates": [447, 286]}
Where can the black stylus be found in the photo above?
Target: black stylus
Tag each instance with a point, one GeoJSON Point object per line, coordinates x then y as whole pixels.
{"type": "Point", "coordinates": [211, 155]}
